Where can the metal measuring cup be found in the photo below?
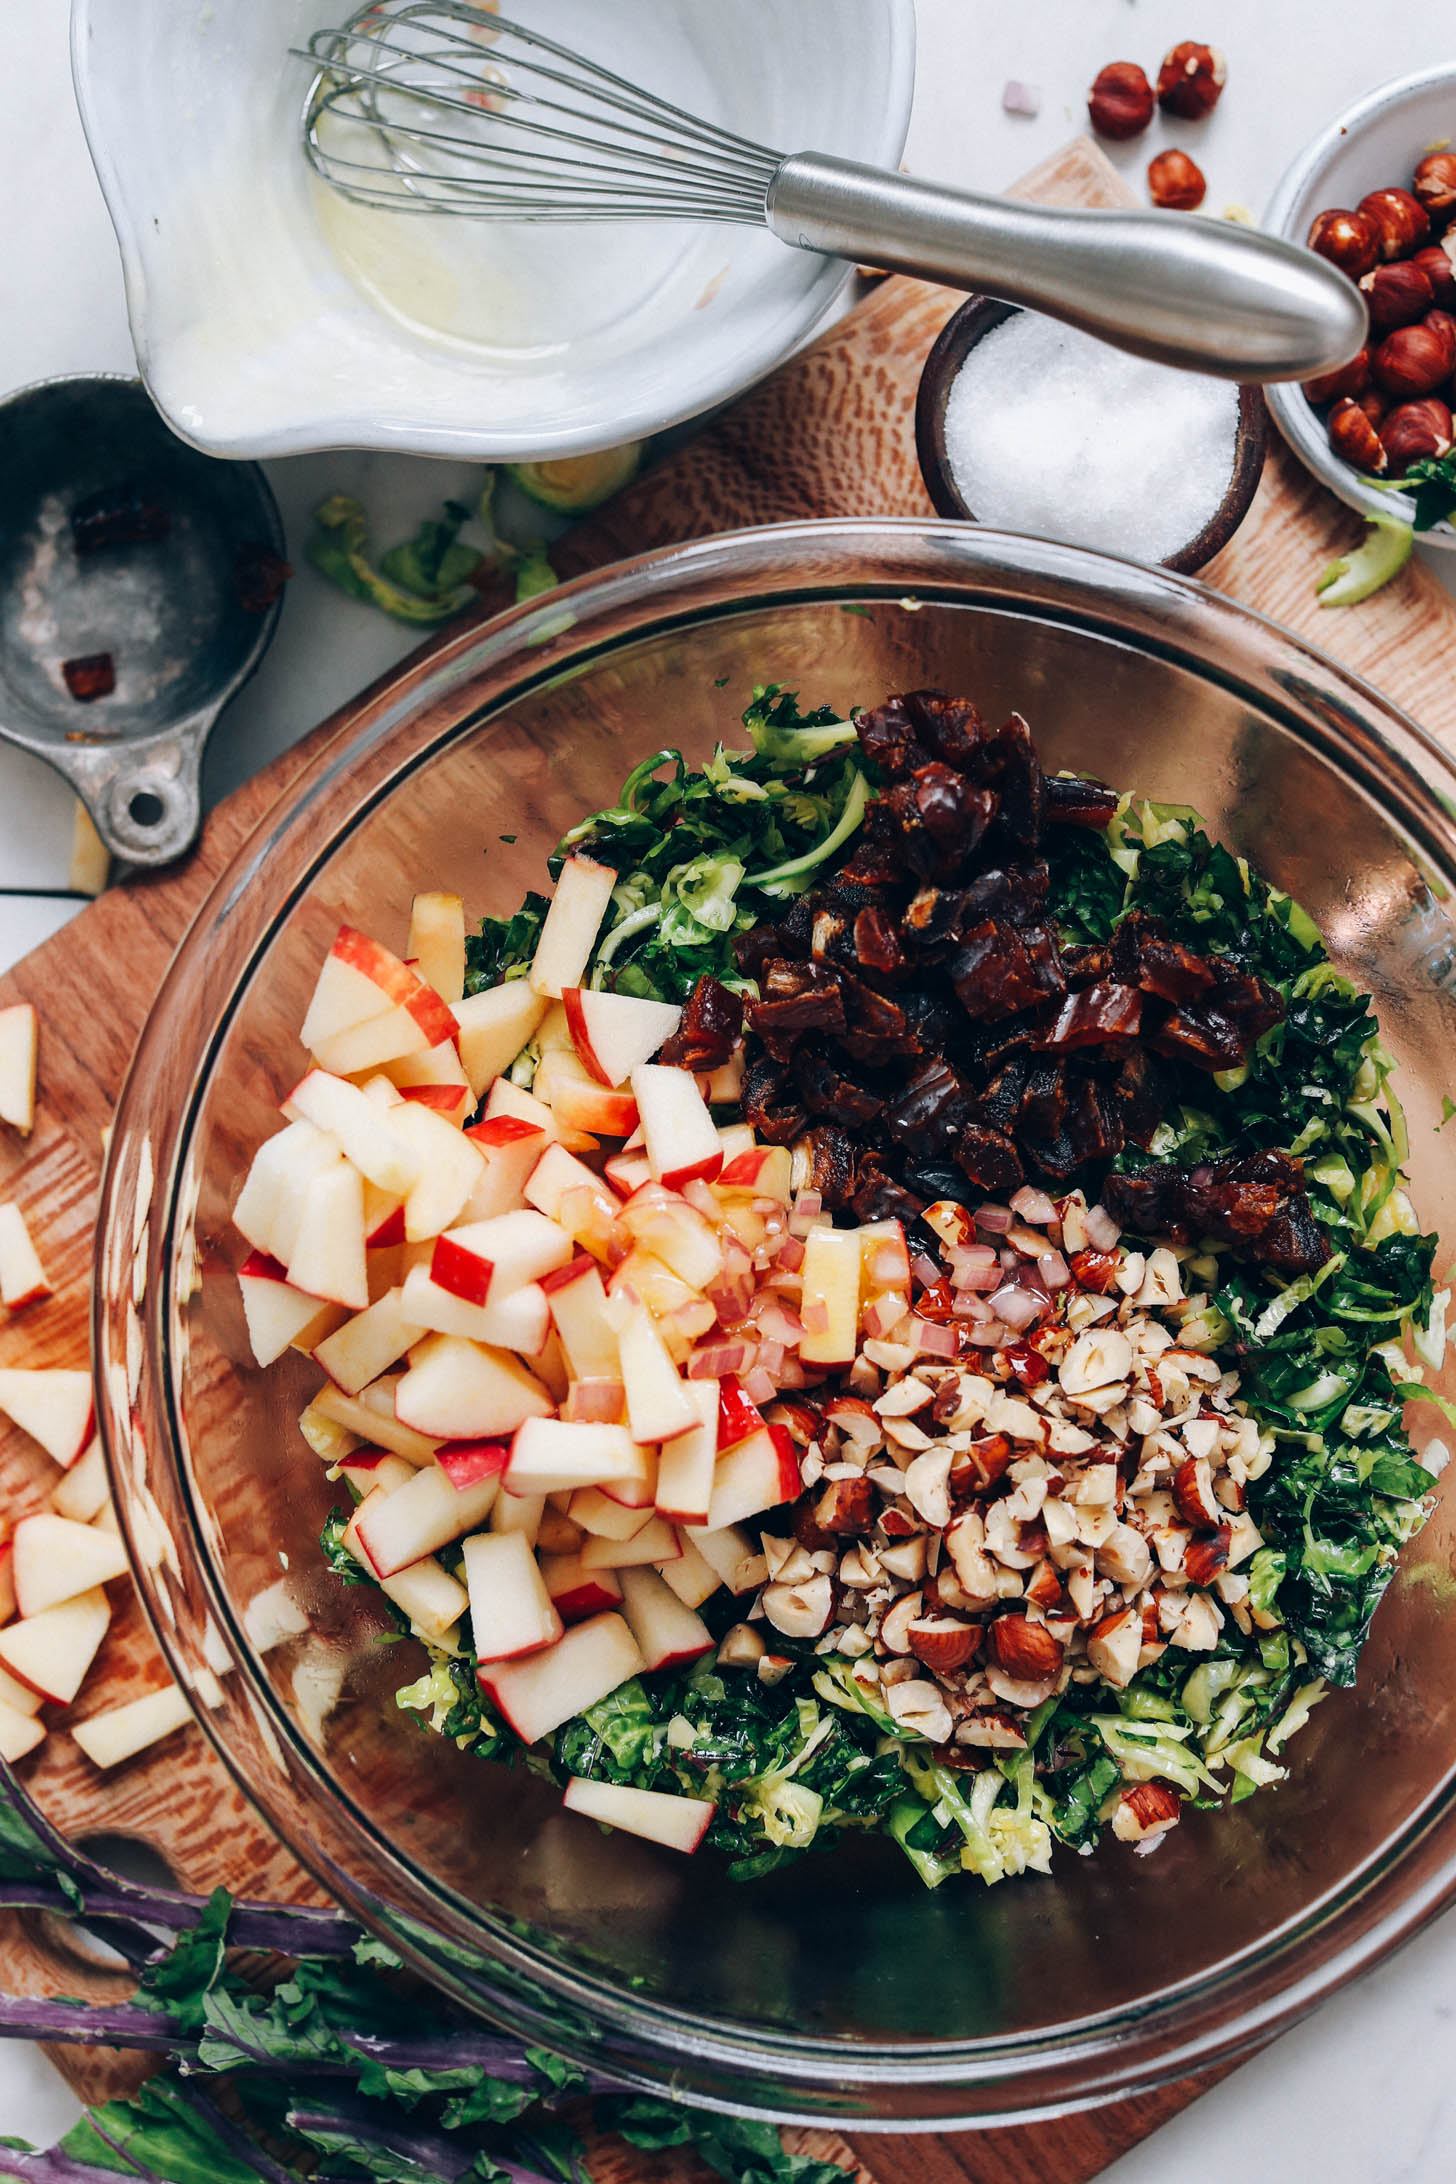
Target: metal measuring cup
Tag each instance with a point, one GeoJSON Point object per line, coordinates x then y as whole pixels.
{"type": "Point", "coordinates": [120, 544]}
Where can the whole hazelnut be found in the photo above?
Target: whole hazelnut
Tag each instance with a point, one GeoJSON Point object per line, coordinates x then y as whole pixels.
{"type": "Point", "coordinates": [1376, 405]}
{"type": "Point", "coordinates": [1413, 430]}
{"type": "Point", "coordinates": [1120, 102]}
{"type": "Point", "coordinates": [1434, 185]}
{"type": "Point", "coordinates": [1175, 182]}
{"type": "Point", "coordinates": [1397, 295]}
{"type": "Point", "coordinates": [1436, 263]}
{"type": "Point", "coordinates": [1350, 240]}
{"type": "Point", "coordinates": [1354, 439]}
{"type": "Point", "coordinates": [1415, 360]}
{"type": "Point", "coordinates": [1190, 80]}
{"type": "Point", "coordinates": [1401, 219]}
{"type": "Point", "coordinates": [1350, 379]}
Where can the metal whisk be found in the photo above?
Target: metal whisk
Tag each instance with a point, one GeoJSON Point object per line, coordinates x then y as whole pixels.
{"type": "Point", "coordinates": [442, 107]}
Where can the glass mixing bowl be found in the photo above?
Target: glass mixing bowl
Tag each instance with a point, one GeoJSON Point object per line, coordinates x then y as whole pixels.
{"type": "Point", "coordinates": [837, 1987]}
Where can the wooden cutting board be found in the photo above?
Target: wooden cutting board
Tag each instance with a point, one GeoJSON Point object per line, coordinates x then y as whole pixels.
{"type": "Point", "coordinates": [830, 434]}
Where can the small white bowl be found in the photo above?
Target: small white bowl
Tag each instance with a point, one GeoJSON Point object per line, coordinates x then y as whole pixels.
{"type": "Point", "coordinates": [500, 342]}
{"type": "Point", "coordinates": [1375, 144]}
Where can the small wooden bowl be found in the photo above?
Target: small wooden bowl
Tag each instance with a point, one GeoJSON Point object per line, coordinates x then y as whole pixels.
{"type": "Point", "coordinates": [960, 335]}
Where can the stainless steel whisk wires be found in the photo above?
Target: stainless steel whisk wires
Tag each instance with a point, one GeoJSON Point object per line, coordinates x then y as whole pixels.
{"type": "Point", "coordinates": [439, 106]}
{"type": "Point", "coordinates": [469, 113]}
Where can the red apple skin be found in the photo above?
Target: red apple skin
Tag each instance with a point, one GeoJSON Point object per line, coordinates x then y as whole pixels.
{"type": "Point", "coordinates": [445, 1099]}
{"type": "Point", "coordinates": [580, 1038]}
{"type": "Point", "coordinates": [519, 1653]}
{"type": "Point", "coordinates": [584, 1600]}
{"type": "Point", "coordinates": [681, 1658]}
{"type": "Point", "coordinates": [389, 1232]}
{"type": "Point", "coordinates": [466, 1463]}
{"type": "Point", "coordinates": [706, 1170]}
{"type": "Point", "coordinates": [562, 1276]}
{"type": "Point", "coordinates": [504, 1130]}
{"type": "Point", "coordinates": [790, 1477]}
{"type": "Point", "coordinates": [258, 1267]}
{"type": "Point", "coordinates": [737, 1416]}
{"type": "Point", "coordinates": [402, 984]}
{"type": "Point", "coordinates": [744, 1170]}
{"type": "Point", "coordinates": [464, 1273]}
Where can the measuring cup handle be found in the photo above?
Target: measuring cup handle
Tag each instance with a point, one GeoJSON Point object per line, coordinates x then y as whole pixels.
{"type": "Point", "coordinates": [144, 796]}
{"type": "Point", "coordinates": [1183, 290]}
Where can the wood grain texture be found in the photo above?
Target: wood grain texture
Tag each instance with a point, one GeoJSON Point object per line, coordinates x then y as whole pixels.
{"type": "Point", "coordinates": [829, 434]}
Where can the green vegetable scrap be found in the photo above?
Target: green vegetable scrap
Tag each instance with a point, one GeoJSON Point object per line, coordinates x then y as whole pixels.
{"type": "Point", "coordinates": [434, 575]}
{"type": "Point", "coordinates": [1381, 555]}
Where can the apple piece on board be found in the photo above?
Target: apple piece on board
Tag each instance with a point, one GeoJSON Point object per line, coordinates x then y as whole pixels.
{"type": "Point", "coordinates": [657, 1542]}
{"type": "Point", "coordinates": [481, 1260]}
{"type": "Point", "coordinates": [19, 1039]}
{"type": "Point", "coordinates": [457, 1391]}
{"type": "Point", "coordinates": [426, 1513]}
{"type": "Point", "coordinates": [53, 1405]}
{"type": "Point", "coordinates": [682, 1141]}
{"type": "Point", "coordinates": [569, 932]}
{"type": "Point", "coordinates": [521, 1320]}
{"type": "Point", "coordinates": [763, 1171]}
{"type": "Point", "coordinates": [658, 1404]}
{"type": "Point", "coordinates": [667, 1633]}
{"type": "Point", "coordinates": [758, 1474]}
{"type": "Point", "coordinates": [22, 1277]}
{"type": "Point", "coordinates": [511, 1612]}
{"type": "Point", "coordinates": [829, 1297]}
{"type": "Point", "coordinates": [447, 1169]}
{"type": "Point", "coordinates": [52, 1652]}
{"type": "Point", "coordinates": [277, 1315]}
{"type": "Point", "coordinates": [689, 1576]}
{"type": "Point", "coordinates": [553, 1455]}
{"type": "Point", "coordinates": [367, 1345]}
{"type": "Point", "coordinates": [578, 1101]}
{"type": "Point", "coordinates": [122, 1731]}
{"type": "Point", "coordinates": [55, 1559]}
{"type": "Point", "coordinates": [538, 1694]}
{"type": "Point", "coordinates": [578, 1592]}
{"type": "Point", "coordinates": [614, 1032]}
{"type": "Point", "coordinates": [598, 1514]}
{"type": "Point", "coordinates": [437, 943]}
{"type": "Point", "coordinates": [687, 1463]}
{"type": "Point", "coordinates": [19, 1734]}
{"type": "Point", "coordinates": [368, 1135]}
{"type": "Point", "coordinates": [424, 1591]}
{"type": "Point", "coordinates": [627, 1172]}
{"type": "Point", "coordinates": [509, 1149]}
{"type": "Point", "coordinates": [658, 1816]}
{"type": "Point", "coordinates": [505, 1098]}
{"type": "Point", "coordinates": [578, 1303]}
{"type": "Point", "coordinates": [328, 1258]}
{"type": "Point", "coordinates": [675, 1232]}
{"type": "Point", "coordinates": [271, 1198]}
{"type": "Point", "coordinates": [494, 1026]}
{"type": "Point", "coordinates": [372, 1424]}
{"type": "Point", "coordinates": [85, 1490]}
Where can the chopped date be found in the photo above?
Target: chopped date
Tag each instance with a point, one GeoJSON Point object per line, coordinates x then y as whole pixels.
{"type": "Point", "coordinates": [1074, 802]}
{"type": "Point", "coordinates": [932, 1111]}
{"type": "Point", "coordinates": [1002, 968]}
{"type": "Point", "coordinates": [1254, 1200]}
{"type": "Point", "coordinates": [709, 1027]}
{"type": "Point", "coordinates": [989, 1159]}
{"type": "Point", "coordinates": [826, 1090]}
{"type": "Point", "coordinates": [259, 576]}
{"type": "Point", "coordinates": [831, 1165]}
{"type": "Point", "coordinates": [92, 675]}
{"type": "Point", "coordinates": [119, 515]}
{"type": "Point", "coordinates": [768, 1103]}
{"type": "Point", "coordinates": [1096, 1016]}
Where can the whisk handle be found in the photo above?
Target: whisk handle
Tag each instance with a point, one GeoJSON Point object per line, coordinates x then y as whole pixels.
{"type": "Point", "coordinates": [1183, 290]}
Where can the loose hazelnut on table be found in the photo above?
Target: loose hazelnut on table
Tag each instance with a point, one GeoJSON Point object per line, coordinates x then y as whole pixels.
{"type": "Point", "coordinates": [1191, 80]}
{"type": "Point", "coordinates": [1434, 184]}
{"type": "Point", "coordinates": [1416, 360]}
{"type": "Point", "coordinates": [1350, 240]}
{"type": "Point", "coordinates": [1397, 295]}
{"type": "Point", "coordinates": [1354, 438]}
{"type": "Point", "coordinates": [1414, 430]}
{"type": "Point", "coordinates": [1175, 183]}
{"type": "Point", "coordinates": [1400, 219]}
{"type": "Point", "coordinates": [1120, 102]}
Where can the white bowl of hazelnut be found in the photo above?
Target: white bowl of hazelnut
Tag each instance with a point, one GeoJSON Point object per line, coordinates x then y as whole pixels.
{"type": "Point", "coordinates": [1376, 193]}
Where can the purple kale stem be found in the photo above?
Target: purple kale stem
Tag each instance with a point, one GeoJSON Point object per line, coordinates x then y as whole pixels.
{"type": "Point", "coordinates": [55, 2167]}
{"type": "Point", "coordinates": [434, 2154]}
{"type": "Point", "coordinates": [237, 2141]}
{"type": "Point", "coordinates": [86, 2024]}
{"type": "Point", "coordinates": [492, 2056]}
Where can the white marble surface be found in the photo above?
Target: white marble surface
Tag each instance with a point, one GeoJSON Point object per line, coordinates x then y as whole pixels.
{"type": "Point", "coordinates": [1365, 2088]}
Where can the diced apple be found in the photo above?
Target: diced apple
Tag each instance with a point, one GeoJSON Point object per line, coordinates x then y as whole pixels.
{"type": "Point", "coordinates": [725, 1083]}
{"type": "Point", "coordinates": [328, 1256]}
{"type": "Point", "coordinates": [614, 1032]}
{"type": "Point", "coordinates": [383, 1218]}
{"type": "Point", "coordinates": [829, 1297]}
{"type": "Point", "coordinates": [578, 1101]}
{"type": "Point", "coordinates": [448, 1167]}
{"type": "Point", "coordinates": [687, 1463]}
{"type": "Point", "coordinates": [884, 1258]}
{"type": "Point", "coordinates": [437, 1065]}
{"type": "Point", "coordinates": [551, 1184]}
{"type": "Point", "coordinates": [369, 1468]}
{"type": "Point", "coordinates": [598, 1514]}
{"type": "Point", "coordinates": [421, 1516]}
{"type": "Point", "coordinates": [675, 1232]}
{"type": "Point", "coordinates": [682, 1141]}
{"type": "Point", "coordinates": [53, 1405]}
{"type": "Point", "coordinates": [765, 1171]}
{"type": "Point", "coordinates": [658, 1404]}
{"type": "Point", "coordinates": [578, 1592]}
{"type": "Point", "coordinates": [658, 1816]}
{"type": "Point", "coordinates": [23, 1279]}
{"type": "Point", "coordinates": [738, 1416]}
{"type": "Point", "coordinates": [424, 1591]}
{"type": "Point", "coordinates": [551, 1455]}
{"type": "Point", "coordinates": [394, 979]}
{"type": "Point", "coordinates": [518, 1513]}
{"type": "Point", "coordinates": [689, 1576]}
{"type": "Point", "coordinates": [85, 1490]}
{"type": "Point", "coordinates": [469, 1463]}
{"type": "Point", "coordinates": [437, 943]}
{"type": "Point", "coordinates": [19, 1734]}
{"type": "Point", "coordinates": [271, 1199]}
{"type": "Point", "coordinates": [730, 1554]}
{"type": "Point", "coordinates": [451, 1102]}
{"type": "Point", "coordinates": [639, 1489]}
{"type": "Point", "coordinates": [578, 1303]}
{"type": "Point", "coordinates": [457, 1391]}
{"type": "Point", "coordinates": [758, 1474]}
{"type": "Point", "coordinates": [372, 1045]}
{"type": "Point", "coordinates": [372, 1423]}
{"type": "Point", "coordinates": [19, 1038]}
{"type": "Point", "coordinates": [569, 932]}
{"type": "Point", "coordinates": [505, 1098]}
{"type": "Point", "coordinates": [538, 1694]}
{"type": "Point", "coordinates": [367, 1135]}
{"type": "Point", "coordinates": [343, 996]}
{"type": "Point", "coordinates": [519, 1320]}
{"type": "Point", "coordinates": [511, 1612]}
{"type": "Point", "coordinates": [509, 1149]}
{"type": "Point", "coordinates": [656, 1542]}
{"type": "Point", "coordinates": [276, 1314]}
{"type": "Point", "coordinates": [56, 1558]}
{"type": "Point", "coordinates": [493, 1028]}
{"type": "Point", "coordinates": [52, 1652]}
{"type": "Point", "coordinates": [123, 1731]}
{"type": "Point", "coordinates": [366, 1346]}
{"type": "Point", "coordinates": [627, 1172]}
{"type": "Point", "coordinates": [596, 1402]}
{"type": "Point", "coordinates": [482, 1259]}
{"type": "Point", "coordinates": [667, 1633]}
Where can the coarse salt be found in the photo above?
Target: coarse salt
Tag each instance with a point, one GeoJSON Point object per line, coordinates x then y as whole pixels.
{"type": "Point", "coordinates": [1050, 431]}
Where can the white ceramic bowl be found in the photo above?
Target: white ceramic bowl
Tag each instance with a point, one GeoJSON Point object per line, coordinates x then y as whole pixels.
{"type": "Point", "coordinates": [255, 337]}
{"type": "Point", "coordinates": [1374, 144]}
